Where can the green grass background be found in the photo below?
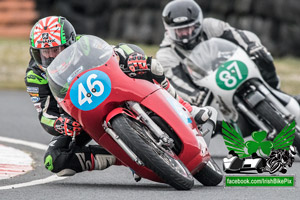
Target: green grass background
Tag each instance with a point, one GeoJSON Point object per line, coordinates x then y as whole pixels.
{"type": "Point", "coordinates": [14, 58]}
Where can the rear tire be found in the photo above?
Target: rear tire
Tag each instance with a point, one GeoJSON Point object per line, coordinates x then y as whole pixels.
{"type": "Point", "coordinates": [169, 169]}
{"type": "Point", "coordinates": [266, 111]}
{"type": "Point", "coordinates": [210, 174]}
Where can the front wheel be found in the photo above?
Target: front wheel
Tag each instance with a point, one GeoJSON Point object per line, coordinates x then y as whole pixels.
{"type": "Point", "coordinates": [266, 111]}
{"type": "Point", "coordinates": [210, 174]}
{"type": "Point", "coordinates": [170, 169]}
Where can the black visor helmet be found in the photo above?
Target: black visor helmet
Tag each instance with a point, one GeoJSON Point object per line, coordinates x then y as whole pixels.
{"type": "Point", "coordinates": [183, 21]}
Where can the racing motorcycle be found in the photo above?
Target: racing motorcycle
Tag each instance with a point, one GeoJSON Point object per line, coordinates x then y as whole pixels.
{"type": "Point", "coordinates": [235, 87]}
{"type": "Point", "coordinates": [135, 120]}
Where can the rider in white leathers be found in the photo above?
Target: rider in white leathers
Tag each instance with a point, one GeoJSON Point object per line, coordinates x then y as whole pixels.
{"type": "Point", "coordinates": [185, 28]}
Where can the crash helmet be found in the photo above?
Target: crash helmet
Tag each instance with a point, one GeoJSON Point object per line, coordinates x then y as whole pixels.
{"type": "Point", "coordinates": [48, 37]}
{"type": "Point", "coordinates": [182, 20]}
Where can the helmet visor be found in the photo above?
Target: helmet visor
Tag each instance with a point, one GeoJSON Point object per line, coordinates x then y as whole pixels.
{"type": "Point", "coordinates": [184, 33]}
{"type": "Point", "coordinates": [45, 56]}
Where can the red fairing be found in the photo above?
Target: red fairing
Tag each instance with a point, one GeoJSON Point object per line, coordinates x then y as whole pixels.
{"type": "Point", "coordinates": [194, 151]}
{"type": "Point", "coordinates": [123, 88]}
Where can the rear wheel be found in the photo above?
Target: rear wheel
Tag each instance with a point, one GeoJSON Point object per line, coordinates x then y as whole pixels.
{"type": "Point", "coordinates": [266, 111]}
{"type": "Point", "coordinates": [165, 164]}
{"type": "Point", "coordinates": [210, 174]}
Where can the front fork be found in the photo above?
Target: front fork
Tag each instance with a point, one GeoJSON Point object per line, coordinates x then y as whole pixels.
{"type": "Point", "coordinates": [252, 116]}
{"type": "Point", "coordinates": [287, 114]}
{"type": "Point", "coordinates": [262, 93]}
{"type": "Point", "coordinates": [164, 139]}
{"type": "Point", "coordinates": [120, 142]}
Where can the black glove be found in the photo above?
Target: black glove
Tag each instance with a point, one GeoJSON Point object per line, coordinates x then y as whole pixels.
{"type": "Point", "coordinates": [259, 54]}
{"type": "Point", "coordinates": [137, 64]}
{"type": "Point", "coordinates": [67, 126]}
{"type": "Point", "coordinates": [264, 61]}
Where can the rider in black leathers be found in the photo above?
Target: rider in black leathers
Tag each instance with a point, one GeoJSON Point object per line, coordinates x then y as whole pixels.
{"type": "Point", "coordinates": [49, 36]}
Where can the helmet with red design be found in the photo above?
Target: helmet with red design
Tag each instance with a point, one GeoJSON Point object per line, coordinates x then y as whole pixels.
{"type": "Point", "coordinates": [48, 37]}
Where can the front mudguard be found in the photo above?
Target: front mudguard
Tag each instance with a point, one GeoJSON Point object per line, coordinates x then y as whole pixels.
{"type": "Point", "coordinates": [118, 111]}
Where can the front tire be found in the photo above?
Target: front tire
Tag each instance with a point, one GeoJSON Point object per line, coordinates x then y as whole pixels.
{"type": "Point", "coordinates": [266, 111]}
{"type": "Point", "coordinates": [168, 168]}
{"type": "Point", "coordinates": [210, 174]}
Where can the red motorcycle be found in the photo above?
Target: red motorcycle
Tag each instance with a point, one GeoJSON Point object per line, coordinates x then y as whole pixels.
{"type": "Point", "coordinates": [135, 120]}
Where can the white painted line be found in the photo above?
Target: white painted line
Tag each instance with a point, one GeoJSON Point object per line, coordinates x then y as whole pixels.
{"type": "Point", "coordinates": [23, 142]}
{"type": "Point", "coordinates": [35, 182]}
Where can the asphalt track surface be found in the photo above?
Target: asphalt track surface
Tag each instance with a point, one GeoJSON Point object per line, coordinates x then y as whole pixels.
{"type": "Point", "coordinates": [18, 120]}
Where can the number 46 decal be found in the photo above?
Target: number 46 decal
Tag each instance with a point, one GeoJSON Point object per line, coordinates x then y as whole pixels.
{"type": "Point", "coordinates": [90, 90]}
{"type": "Point", "coordinates": [231, 74]}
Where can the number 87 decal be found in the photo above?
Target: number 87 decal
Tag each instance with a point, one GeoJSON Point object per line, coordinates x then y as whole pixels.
{"type": "Point", "coordinates": [231, 74]}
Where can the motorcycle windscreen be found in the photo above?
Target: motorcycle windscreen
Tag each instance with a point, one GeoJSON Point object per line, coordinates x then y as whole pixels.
{"type": "Point", "coordinates": [209, 55]}
{"type": "Point", "coordinates": [86, 53]}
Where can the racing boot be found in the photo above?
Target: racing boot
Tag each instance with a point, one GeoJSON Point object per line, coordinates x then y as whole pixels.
{"type": "Point", "coordinates": [206, 119]}
{"type": "Point", "coordinates": [102, 158]}
{"type": "Point", "coordinates": [66, 160]}
{"type": "Point", "coordinates": [87, 159]}
{"type": "Point", "coordinates": [201, 115]}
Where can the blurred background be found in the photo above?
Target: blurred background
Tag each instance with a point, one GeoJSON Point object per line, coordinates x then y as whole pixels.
{"type": "Point", "coordinates": [276, 22]}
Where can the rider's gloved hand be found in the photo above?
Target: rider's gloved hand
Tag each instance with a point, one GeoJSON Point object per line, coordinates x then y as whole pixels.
{"type": "Point", "coordinates": [259, 54]}
{"type": "Point", "coordinates": [137, 64]}
{"type": "Point", "coordinates": [67, 126]}
{"type": "Point", "coordinates": [264, 61]}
